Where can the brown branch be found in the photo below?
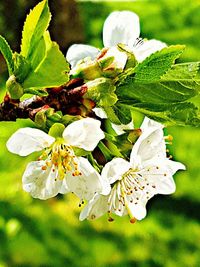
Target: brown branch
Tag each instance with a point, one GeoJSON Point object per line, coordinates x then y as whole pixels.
{"type": "Point", "coordinates": [67, 99]}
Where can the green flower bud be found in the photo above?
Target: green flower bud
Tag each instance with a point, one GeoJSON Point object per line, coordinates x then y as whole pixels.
{"type": "Point", "coordinates": [14, 88]}
{"type": "Point", "coordinates": [101, 91]}
{"type": "Point", "coordinates": [131, 60]}
{"type": "Point", "coordinates": [112, 62]}
{"type": "Point", "coordinates": [87, 70]}
{"type": "Point", "coordinates": [67, 119]}
{"type": "Point", "coordinates": [40, 119]}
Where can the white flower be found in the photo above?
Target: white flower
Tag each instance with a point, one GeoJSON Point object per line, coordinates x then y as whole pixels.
{"type": "Point", "coordinates": [119, 27]}
{"type": "Point", "coordinates": [148, 173]}
{"type": "Point", "coordinates": [58, 170]}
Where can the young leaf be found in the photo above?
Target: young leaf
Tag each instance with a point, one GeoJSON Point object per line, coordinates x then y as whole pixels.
{"type": "Point", "coordinates": [185, 113]}
{"type": "Point", "coordinates": [122, 113]}
{"type": "Point", "coordinates": [38, 54]}
{"type": "Point", "coordinates": [7, 53]}
{"type": "Point", "coordinates": [35, 25]}
{"type": "Point", "coordinates": [182, 72]}
{"type": "Point", "coordinates": [101, 91]}
{"type": "Point", "coordinates": [157, 64]}
{"type": "Point", "coordinates": [51, 72]}
{"type": "Point", "coordinates": [160, 92]}
{"type": "Point", "coordinates": [39, 92]}
{"type": "Point", "coordinates": [186, 74]}
{"type": "Point", "coordinates": [179, 84]}
{"type": "Point", "coordinates": [21, 67]}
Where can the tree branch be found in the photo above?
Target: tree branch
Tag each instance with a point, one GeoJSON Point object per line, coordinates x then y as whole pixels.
{"type": "Point", "coordinates": [67, 98]}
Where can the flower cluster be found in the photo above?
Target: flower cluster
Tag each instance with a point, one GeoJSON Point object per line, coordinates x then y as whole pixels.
{"type": "Point", "coordinates": [113, 166]}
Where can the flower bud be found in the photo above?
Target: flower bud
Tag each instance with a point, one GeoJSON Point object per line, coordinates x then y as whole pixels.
{"type": "Point", "coordinates": [101, 91]}
{"type": "Point", "coordinates": [87, 70]}
{"type": "Point", "coordinates": [112, 62]}
{"type": "Point", "coordinates": [14, 88]}
{"type": "Point", "coordinates": [131, 60]}
{"type": "Point", "coordinates": [40, 119]}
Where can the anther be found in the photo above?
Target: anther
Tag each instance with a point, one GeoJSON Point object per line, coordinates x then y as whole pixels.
{"type": "Point", "coordinates": [110, 219]}
{"type": "Point", "coordinates": [133, 220]}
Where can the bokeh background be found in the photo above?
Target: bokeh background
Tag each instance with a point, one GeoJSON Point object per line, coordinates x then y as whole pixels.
{"type": "Point", "coordinates": [48, 233]}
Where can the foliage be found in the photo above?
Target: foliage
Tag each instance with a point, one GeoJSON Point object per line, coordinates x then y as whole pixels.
{"type": "Point", "coordinates": [36, 233]}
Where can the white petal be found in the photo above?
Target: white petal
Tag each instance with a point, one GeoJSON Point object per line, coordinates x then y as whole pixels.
{"type": "Point", "coordinates": [166, 183]}
{"type": "Point", "coordinates": [159, 173]}
{"type": "Point", "coordinates": [99, 112]}
{"type": "Point", "coordinates": [64, 189]}
{"type": "Point", "coordinates": [85, 133]}
{"type": "Point", "coordinates": [150, 123]}
{"type": "Point", "coordinates": [149, 145]}
{"type": "Point", "coordinates": [147, 48]}
{"type": "Point", "coordinates": [121, 27]}
{"type": "Point", "coordinates": [95, 208]}
{"type": "Point", "coordinates": [120, 58]}
{"type": "Point", "coordinates": [115, 169]}
{"type": "Point", "coordinates": [27, 140]}
{"type": "Point", "coordinates": [88, 183]}
{"type": "Point", "coordinates": [42, 184]}
{"type": "Point", "coordinates": [77, 52]}
{"type": "Point", "coordinates": [137, 210]}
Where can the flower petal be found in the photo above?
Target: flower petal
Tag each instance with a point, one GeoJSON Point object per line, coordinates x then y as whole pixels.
{"type": "Point", "coordinates": [121, 27]}
{"type": "Point", "coordinates": [77, 52]}
{"type": "Point", "coordinates": [27, 140]}
{"type": "Point", "coordinates": [147, 48]}
{"type": "Point", "coordinates": [85, 133]}
{"type": "Point", "coordinates": [119, 58]}
{"type": "Point", "coordinates": [160, 174]}
{"type": "Point", "coordinates": [95, 208]}
{"type": "Point", "coordinates": [99, 112]}
{"type": "Point", "coordinates": [150, 123]}
{"type": "Point", "coordinates": [114, 169]}
{"type": "Point", "coordinates": [42, 184]}
{"type": "Point", "coordinates": [88, 183]}
{"type": "Point", "coordinates": [137, 210]}
{"type": "Point", "coordinates": [149, 145]}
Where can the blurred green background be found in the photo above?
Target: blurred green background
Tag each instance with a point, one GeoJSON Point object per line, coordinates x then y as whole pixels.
{"type": "Point", "coordinates": [48, 233]}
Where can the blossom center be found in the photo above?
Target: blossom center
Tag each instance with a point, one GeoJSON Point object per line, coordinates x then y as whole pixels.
{"type": "Point", "coordinates": [130, 190]}
{"type": "Point", "coordinates": [60, 156]}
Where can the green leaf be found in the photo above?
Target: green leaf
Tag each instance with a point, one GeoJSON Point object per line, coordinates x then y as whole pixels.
{"type": "Point", "coordinates": [7, 53]}
{"type": "Point", "coordinates": [157, 64]}
{"type": "Point", "coordinates": [160, 92]}
{"type": "Point", "coordinates": [21, 67]}
{"type": "Point", "coordinates": [186, 74]}
{"type": "Point", "coordinates": [38, 54]}
{"type": "Point", "coordinates": [51, 72]}
{"type": "Point", "coordinates": [35, 25]}
{"type": "Point", "coordinates": [179, 84]}
{"type": "Point", "coordinates": [164, 100]}
{"type": "Point", "coordinates": [38, 91]}
{"type": "Point", "coordinates": [182, 72]}
{"type": "Point", "coordinates": [185, 113]}
{"type": "Point", "coordinates": [122, 113]}
{"type": "Point", "coordinates": [111, 114]}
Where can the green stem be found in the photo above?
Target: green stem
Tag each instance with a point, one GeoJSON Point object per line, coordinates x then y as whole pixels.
{"type": "Point", "coordinates": [94, 162]}
{"type": "Point", "coordinates": [106, 152]}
